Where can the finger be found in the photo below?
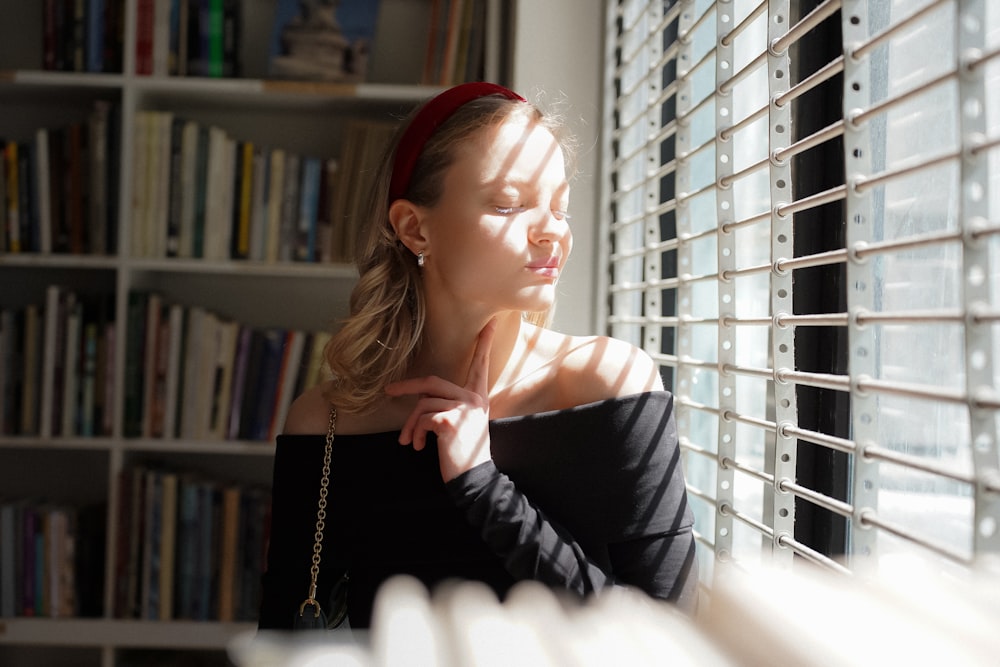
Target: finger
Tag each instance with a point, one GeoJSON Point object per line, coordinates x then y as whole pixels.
{"type": "Point", "coordinates": [430, 384]}
{"type": "Point", "coordinates": [479, 370]}
{"type": "Point", "coordinates": [425, 406]}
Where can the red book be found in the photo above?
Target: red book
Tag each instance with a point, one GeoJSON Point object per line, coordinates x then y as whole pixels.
{"type": "Point", "coordinates": [144, 12]}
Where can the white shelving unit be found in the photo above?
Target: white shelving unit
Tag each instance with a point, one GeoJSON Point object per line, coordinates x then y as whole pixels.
{"type": "Point", "coordinates": [297, 117]}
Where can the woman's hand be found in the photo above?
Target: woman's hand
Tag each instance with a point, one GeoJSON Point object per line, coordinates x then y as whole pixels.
{"type": "Point", "coordinates": [459, 416]}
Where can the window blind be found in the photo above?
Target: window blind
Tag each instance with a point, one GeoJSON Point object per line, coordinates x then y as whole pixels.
{"type": "Point", "coordinates": [704, 146]}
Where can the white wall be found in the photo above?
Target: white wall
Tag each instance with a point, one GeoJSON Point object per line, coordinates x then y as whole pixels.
{"type": "Point", "coordinates": [558, 53]}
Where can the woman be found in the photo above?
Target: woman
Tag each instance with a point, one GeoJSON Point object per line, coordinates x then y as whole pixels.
{"type": "Point", "coordinates": [471, 442]}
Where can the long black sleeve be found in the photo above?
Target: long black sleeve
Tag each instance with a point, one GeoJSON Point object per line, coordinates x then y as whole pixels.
{"type": "Point", "coordinates": [592, 499]}
{"type": "Point", "coordinates": [531, 546]}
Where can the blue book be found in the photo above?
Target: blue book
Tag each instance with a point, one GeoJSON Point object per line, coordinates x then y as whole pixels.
{"type": "Point", "coordinates": [94, 38]}
{"type": "Point", "coordinates": [305, 246]}
{"type": "Point", "coordinates": [188, 524]}
{"type": "Point", "coordinates": [267, 383]}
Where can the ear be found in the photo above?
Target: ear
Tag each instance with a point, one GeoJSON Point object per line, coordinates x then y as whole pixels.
{"type": "Point", "coordinates": [407, 219]}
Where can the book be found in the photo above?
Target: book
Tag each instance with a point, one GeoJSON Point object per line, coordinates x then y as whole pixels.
{"type": "Point", "coordinates": [135, 357]}
{"type": "Point", "coordinates": [9, 576]}
{"type": "Point", "coordinates": [219, 194]}
{"type": "Point", "coordinates": [145, 13]}
{"type": "Point", "coordinates": [258, 205]}
{"type": "Point", "coordinates": [244, 344]}
{"type": "Point", "coordinates": [243, 188]}
{"type": "Point", "coordinates": [214, 38]}
{"type": "Point", "coordinates": [194, 358]}
{"type": "Point", "coordinates": [168, 535]}
{"type": "Point", "coordinates": [158, 212]}
{"type": "Point", "coordinates": [266, 386]}
{"type": "Point", "coordinates": [53, 338]}
{"type": "Point", "coordinates": [188, 520]}
{"type": "Point", "coordinates": [275, 199]}
{"type": "Point", "coordinates": [228, 553]}
{"type": "Point", "coordinates": [43, 196]}
{"type": "Point", "coordinates": [322, 41]}
{"type": "Point", "coordinates": [205, 569]}
{"type": "Point", "coordinates": [201, 192]}
{"type": "Point", "coordinates": [149, 598]}
{"type": "Point", "coordinates": [94, 40]}
{"type": "Point", "coordinates": [13, 203]}
{"type": "Point", "coordinates": [88, 380]}
{"type": "Point", "coordinates": [71, 373]}
{"type": "Point", "coordinates": [305, 238]}
{"type": "Point", "coordinates": [161, 37]}
{"type": "Point", "coordinates": [222, 387]}
{"type": "Point", "coordinates": [101, 191]}
{"type": "Point", "coordinates": [172, 383]}
{"type": "Point", "coordinates": [140, 182]}
{"type": "Point", "coordinates": [175, 185]}
{"type": "Point", "coordinates": [324, 222]}
{"type": "Point", "coordinates": [187, 186]}
{"type": "Point", "coordinates": [157, 400]}
{"type": "Point", "coordinates": [291, 364]}
{"type": "Point", "coordinates": [31, 370]}
{"type": "Point", "coordinates": [290, 207]}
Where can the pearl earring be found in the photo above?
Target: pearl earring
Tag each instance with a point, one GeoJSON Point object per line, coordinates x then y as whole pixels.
{"type": "Point", "coordinates": [420, 259]}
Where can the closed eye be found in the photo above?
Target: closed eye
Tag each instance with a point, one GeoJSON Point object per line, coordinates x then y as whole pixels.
{"type": "Point", "coordinates": [562, 215]}
{"type": "Point", "coordinates": [508, 210]}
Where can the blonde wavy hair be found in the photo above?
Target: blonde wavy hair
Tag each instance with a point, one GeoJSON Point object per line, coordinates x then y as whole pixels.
{"type": "Point", "coordinates": [375, 343]}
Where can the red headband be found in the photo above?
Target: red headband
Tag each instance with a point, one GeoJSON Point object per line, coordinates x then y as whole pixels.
{"type": "Point", "coordinates": [427, 120]}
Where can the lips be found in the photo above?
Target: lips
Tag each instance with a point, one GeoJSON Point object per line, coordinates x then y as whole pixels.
{"type": "Point", "coordinates": [547, 267]}
{"type": "Point", "coordinates": [547, 263]}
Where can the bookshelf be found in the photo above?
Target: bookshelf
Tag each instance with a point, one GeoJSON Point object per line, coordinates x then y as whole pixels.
{"type": "Point", "coordinates": [57, 462]}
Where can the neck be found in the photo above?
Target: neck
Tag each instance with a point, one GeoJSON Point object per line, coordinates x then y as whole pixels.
{"type": "Point", "coordinates": [449, 343]}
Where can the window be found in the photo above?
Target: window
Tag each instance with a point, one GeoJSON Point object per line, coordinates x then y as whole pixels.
{"type": "Point", "coordinates": [803, 227]}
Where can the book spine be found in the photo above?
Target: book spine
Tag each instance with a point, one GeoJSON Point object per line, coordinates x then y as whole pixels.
{"type": "Point", "coordinates": [305, 246]}
{"type": "Point", "coordinates": [134, 356]}
{"type": "Point", "coordinates": [174, 185]}
{"type": "Point", "coordinates": [216, 35]}
{"type": "Point", "coordinates": [145, 16]}
{"type": "Point", "coordinates": [243, 187]}
{"type": "Point", "coordinates": [50, 35]}
{"type": "Point", "coordinates": [289, 208]}
{"type": "Point", "coordinates": [95, 35]}
{"type": "Point", "coordinates": [42, 193]}
{"type": "Point", "coordinates": [13, 191]}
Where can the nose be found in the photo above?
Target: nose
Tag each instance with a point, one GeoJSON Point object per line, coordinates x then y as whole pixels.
{"type": "Point", "coordinates": [550, 227]}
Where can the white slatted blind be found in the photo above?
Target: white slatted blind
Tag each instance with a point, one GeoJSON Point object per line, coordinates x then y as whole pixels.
{"type": "Point", "coordinates": [702, 156]}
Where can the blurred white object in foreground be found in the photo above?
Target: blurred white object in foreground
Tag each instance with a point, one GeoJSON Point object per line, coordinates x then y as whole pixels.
{"type": "Point", "coordinates": [802, 616]}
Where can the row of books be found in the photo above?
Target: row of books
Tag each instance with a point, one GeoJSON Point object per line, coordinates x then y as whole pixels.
{"type": "Point", "coordinates": [51, 559]}
{"type": "Point", "coordinates": [194, 375]}
{"type": "Point", "coordinates": [199, 192]}
{"type": "Point", "coordinates": [188, 546]}
{"type": "Point", "coordinates": [456, 42]}
{"type": "Point", "coordinates": [82, 35]}
{"type": "Point", "coordinates": [59, 191]}
{"type": "Point", "coordinates": [57, 366]}
{"type": "Point", "coordinates": [188, 37]}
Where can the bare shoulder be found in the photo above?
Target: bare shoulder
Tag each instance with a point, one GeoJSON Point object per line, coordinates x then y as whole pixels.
{"type": "Point", "coordinates": [594, 368]}
{"type": "Point", "coordinates": [309, 413]}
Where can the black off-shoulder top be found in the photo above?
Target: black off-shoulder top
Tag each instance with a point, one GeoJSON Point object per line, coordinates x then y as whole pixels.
{"type": "Point", "coordinates": [579, 499]}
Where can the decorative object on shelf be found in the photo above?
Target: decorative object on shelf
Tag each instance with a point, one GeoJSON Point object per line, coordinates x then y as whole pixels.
{"type": "Point", "coordinates": [323, 40]}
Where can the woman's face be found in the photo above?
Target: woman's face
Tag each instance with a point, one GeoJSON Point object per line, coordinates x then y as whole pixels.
{"type": "Point", "coordinates": [499, 236]}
